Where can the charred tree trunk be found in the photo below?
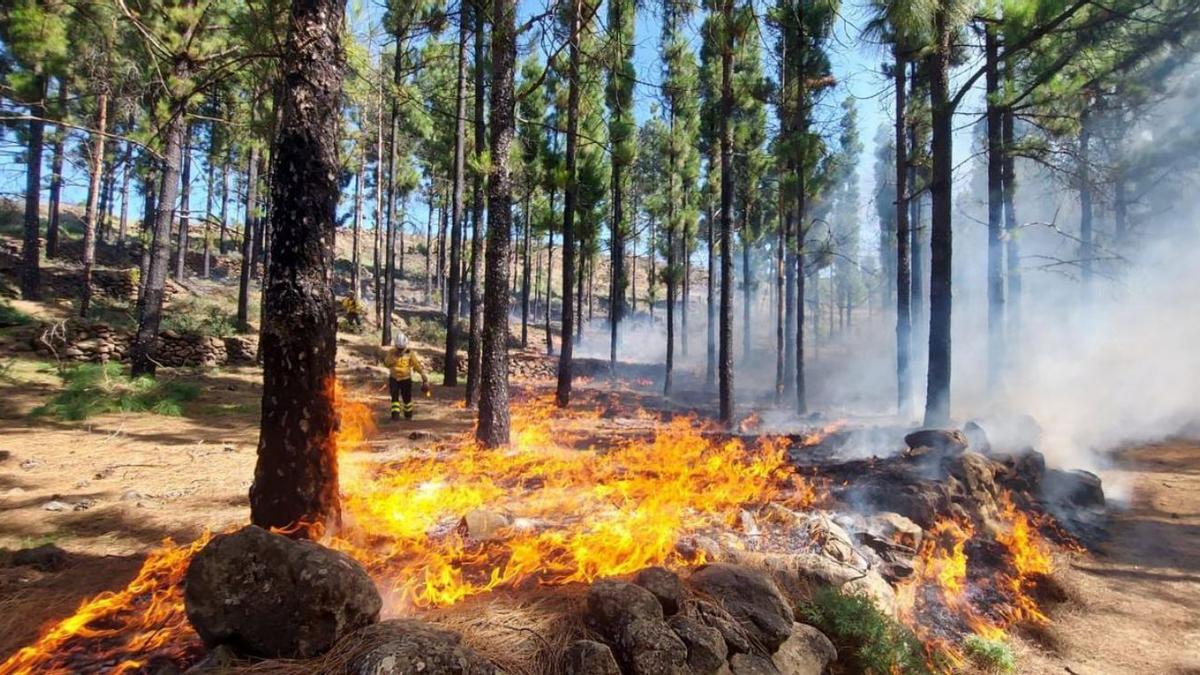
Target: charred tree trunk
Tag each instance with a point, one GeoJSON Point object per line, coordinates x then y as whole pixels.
{"type": "Point", "coordinates": [126, 174]}
{"type": "Point", "coordinates": [475, 340]}
{"type": "Point", "coordinates": [185, 209]}
{"type": "Point", "coordinates": [31, 273]}
{"type": "Point", "coordinates": [903, 268]}
{"type": "Point", "coordinates": [525, 273]}
{"type": "Point", "coordinates": [563, 391]}
{"type": "Point", "coordinates": [781, 242]}
{"type": "Point", "coordinates": [150, 302]}
{"type": "Point", "coordinates": [941, 242]}
{"type": "Point", "coordinates": [726, 338]}
{"type": "Point", "coordinates": [377, 230]}
{"type": "Point", "coordinates": [789, 289]}
{"type": "Point", "coordinates": [1087, 247]}
{"type": "Point", "coordinates": [295, 478]}
{"type": "Point", "coordinates": [251, 224]}
{"type": "Point", "coordinates": [1012, 242]}
{"type": "Point", "coordinates": [550, 275]}
{"type": "Point", "coordinates": [56, 174]}
{"type": "Point", "coordinates": [995, 210]}
{"type": "Point", "coordinates": [450, 369]}
{"type": "Point", "coordinates": [90, 219]}
{"type": "Point", "coordinates": [616, 300]}
{"type": "Point", "coordinates": [492, 429]}
{"type": "Point", "coordinates": [746, 281]}
{"type": "Point", "coordinates": [355, 266]}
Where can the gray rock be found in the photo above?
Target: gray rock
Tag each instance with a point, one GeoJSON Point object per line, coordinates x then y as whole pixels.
{"type": "Point", "coordinates": [706, 649]}
{"type": "Point", "coordinates": [1078, 489]}
{"type": "Point", "coordinates": [612, 603]}
{"type": "Point", "coordinates": [665, 585]}
{"type": "Point", "coordinates": [752, 664]}
{"type": "Point", "coordinates": [588, 657]}
{"type": "Point", "coordinates": [55, 505]}
{"type": "Point", "coordinates": [650, 647]}
{"type": "Point", "coordinates": [409, 647]}
{"type": "Point", "coordinates": [266, 595]}
{"type": "Point", "coordinates": [737, 640]}
{"type": "Point", "coordinates": [806, 652]}
{"type": "Point", "coordinates": [751, 597]}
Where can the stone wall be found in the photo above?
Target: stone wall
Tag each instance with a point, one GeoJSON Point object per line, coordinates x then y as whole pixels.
{"type": "Point", "coordinates": [99, 343]}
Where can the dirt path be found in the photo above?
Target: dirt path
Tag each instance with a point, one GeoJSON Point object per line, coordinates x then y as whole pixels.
{"type": "Point", "coordinates": [1135, 604]}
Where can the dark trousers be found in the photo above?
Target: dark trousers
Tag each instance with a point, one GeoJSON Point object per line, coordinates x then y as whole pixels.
{"type": "Point", "coordinates": [401, 389]}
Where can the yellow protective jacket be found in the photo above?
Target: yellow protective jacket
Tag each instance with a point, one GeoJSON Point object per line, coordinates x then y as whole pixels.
{"type": "Point", "coordinates": [402, 364]}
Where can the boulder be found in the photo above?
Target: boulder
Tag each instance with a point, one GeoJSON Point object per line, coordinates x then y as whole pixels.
{"type": "Point", "coordinates": [266, 595]}
{"type": "Point", "coordinates": [751, 597]}
{"type": "Point", "coordinates": [1075, 489]}
{"type": "Point", "coordinates": [706, 649]}
{"type": "Point", "coordinates": [612, 603]}
{"type": "Point", "coordinates": [752, 664]}
{"type": "Point", "coordinates": [941, 441]}
{"type": "Point", "coordinates": [410, 647]}
{"type": "Point", "coordinates": [806, 652]}
{"type": "Point", "coordinates": [737, 640]}
{"type": "Point", "coordinates": [650, 647]}
{"type": "Point", "coordinates": [587, 657]}
{"type": "Point", "coordinates": [664, 585]}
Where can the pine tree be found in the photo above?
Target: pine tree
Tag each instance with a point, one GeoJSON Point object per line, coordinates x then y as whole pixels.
{"type": "Point", "coordinates": [621, 131]}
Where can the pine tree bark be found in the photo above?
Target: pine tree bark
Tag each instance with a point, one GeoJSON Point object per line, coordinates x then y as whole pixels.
{"type": "Point", "coordinates": [941, 243]}
{"type": "Point", "coordinates": [355, 266]}
{"type": "Point", "coordinates": [90, 217]}
{"type": "Point", "coordinates": [526, 271]}
{"type": "Point", "coordinates": [493, 427]}
{"type": "Point", "coordinates": [1012, 241]}
{"type": "Point", "coordinates": [725, 374]}
{"type": "Point", "coordinates": [56, 174]}
{"type": "Point", "coordinates": [31, 273]}
{"type": "Point", "coordinates": [474, 341]}
{"type": "Point", "coordinates": [563, 390]}
{"type": "Point", "coordinates": [550, 275]}
{"type": "Point", "coordinates": [295, 478]}
{"type": "Point", "coordinates": [995, 210]}
{"type": "Point", "coordinates": [450, 369]}
{"type": "Point", "coordinates": [126, 175]}
{"type": "Point", "coordinates": [150, 301]}
{"type": "Point", "coordinates": [185, 209]}
{"type": "Point", "coordinates": [248, 234]}
{"type": "Point", "coordinates": [1087, 247]}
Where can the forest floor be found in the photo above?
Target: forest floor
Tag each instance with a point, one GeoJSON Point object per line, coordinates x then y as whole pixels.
{"type": "Point", "coordinates": [127, 481]}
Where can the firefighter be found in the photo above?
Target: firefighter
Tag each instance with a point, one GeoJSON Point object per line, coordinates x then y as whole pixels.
{"type": "Point", "coordinates": [401, 363]}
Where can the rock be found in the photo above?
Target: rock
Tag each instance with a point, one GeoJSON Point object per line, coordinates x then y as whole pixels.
{"type": "Point", "coordinates": [977, 438]}
{"type": "Point", "coordinates": [131, 496]}
{"type": "Point", "coordinates": [664, 585]}
{"type": "Point", "coordinates": [942, 441]}
{"type": "Point", "coordinates": [806, 652]}
{"type": "Point", "coordinates": [243, 588]}
{"type": "Point", "coordinates": [896, 528]}
{"type": "Point", "coordinates": [817, 570]}
{"type": "Point", "coordinates": [706, 649]}
{"type": "Point", "coordinates": [751, 664]}
{"type": "Point", "coordinates": [55, 505]}
{"type": "Point", "coordinates": [612, 603]}
{"type": "Point", "coordinates": [5, 455]}
{"type": "Point", "coordinates": [83, 504]}
{"type": "Point", "coordinates": [410, 647]}
{"type": "Point", "coordinates": [751, 597]}
{"type": "Point", "coordinates": [483, 525]}
{"type": "Point", "coordinates": [650, 647]}
{"type": "Point", "coordinates": [1077, 489]}
{"type": "Point", "coordinates": [29, 464]}
{"type": "Point", "coordinates": [588, 657]}
{"type": "Point", "coordinates": [737, 640]}
{"type": "Point", "coordinates": [47, 557]}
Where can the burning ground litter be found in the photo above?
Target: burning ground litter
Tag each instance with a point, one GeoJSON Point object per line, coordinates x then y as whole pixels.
{"type": "Point", "coordinates": [448, 523]}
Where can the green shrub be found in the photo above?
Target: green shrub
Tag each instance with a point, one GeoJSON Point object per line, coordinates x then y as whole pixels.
{"type": "Point", "coordinates": [992, 656]}
{"type": "Point", "coordinates": [94, 389]}
{"type": "Point", "coordinates": [11, 316]}
{"type": "Point", "coordinates": [867, 640]}
{"type": "Point", "coordinates": [428, 331]}
{"type": "Point", "coordinates": [198, 317]}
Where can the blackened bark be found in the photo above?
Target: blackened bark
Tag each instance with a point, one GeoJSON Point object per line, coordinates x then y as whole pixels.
{"type": "Point", "coordinates": [710, 365]}
{"type": "Point", "coordinates": [377, 230]}
{"type": "Point", "coordinates": [903, 263]}
{"type": "Point", "coordinates": [126, 174]}
{"type": "Point", "coordinates": [31, 273]}
{"type": "Point", "coordinates": [474, 341]}
{"type": "Point", "coordinates": [185, 208]}
{"type": "Point", "coordinates": [1013, 246]}
{"type": "Point", "coordinates": [450, 370]}
{"type": "Point", "coordinates": [789, 289]}
{"type": "Point", "coordinates": [780, 341]}
{"type": "Point", "coordinates": [746, 281]}
{"type": "Point", "coordinates": [150, 302]}
{"type": "Point", "coordinates": [725, 356]}
{"type": "Point", "coordinates": [525, 272]}
{"type": "Point", "coordinates": [148, 220]}
{"type": "Point", "coordinates": [56, 174]}
{"type": "Point", "coordinates": [563, 390]}
{"type": "Point", "coordinates": [91, 215]}
{"type": "Point", "coordinates": [916, 283]}
{"type": "Point", "coordinates": [550, 275]}
{"type": "Point", "coordinates": [389, 247]}
{"type": "Point", "coordinates": [995, 210]}
{"type": "Point", "coordinates": [248, 228]}
{"type": "Point", "coordinates": [616, 300]}
{"type": "Point", "coordinates": [492, 429]}
{"type": "Point", "coordinates": [941, 243]}
{"type": "Point", "coordinates": [295, 478]}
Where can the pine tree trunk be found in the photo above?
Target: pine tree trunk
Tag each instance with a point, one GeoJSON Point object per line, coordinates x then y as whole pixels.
{"type": "Point", "coordinates": [781, 243]}
{"type": "Point", "coordinates": [668, 379]}
{"type": "Point", "coordinates": [251, 224]}
{"type": "Point", "coordinates": [89, 223]}
{"type": "Point", "coordinates": [1087, 247]}
{"type": "Point", "coordinates": [223, 236]}
{"type": "Point", "coordinates": [726, 338]}
{"type": "Point", "coordinates": [995, 210]}
{"type": "Point", "coordinates": [150, 302]}
{"type": "Point", "coordinates": [450, 370]}
{"type": "Point", "coordinates": [377, 230]}
{"type": "Point", "coordinates": [1012, 240]}
{"type": "Point", "coordinates": [903, 263]}
{"type": "Point", "coordinates": [941, 244]}
{"type": "Point", "coordinates": [474, 340]}
{"type": "Point", "coordinates": [525, 273]}
{"type": "Point", "coordinates": [916, 283]}
{"type": "Point", "coordinates": [433, 195]}
{"type": "Point", "coordinates": [493, 427]}
{"type": "Point", "coordinates": [563, 390]}
{"type": "Point", "coordinates": [295, 478]}
{"type": "Point", "coordinates": [746, 310]}
{"type": "Point", "coordinates": [355, 265]}
{"type": "Point", "coordinates": [31, 273]}
{"type": "Point", "coordinates": [126, 174]}
{"type": "Point", "coordinates": [208, 199]}
{"type": "Point", "coordinates": [56, 174]}
{"type": "Point", "coordinates": [710, 364]}
{"type": "Point", "coordinates": [185, 209]}
{"type": "Point", "coordinates": [617, 275]}
{"type": "Point", "coordinates": [550, 275]}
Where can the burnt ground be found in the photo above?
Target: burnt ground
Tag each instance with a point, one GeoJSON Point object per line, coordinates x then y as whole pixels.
{"type": "Point", "coordinates": [129, 480]}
